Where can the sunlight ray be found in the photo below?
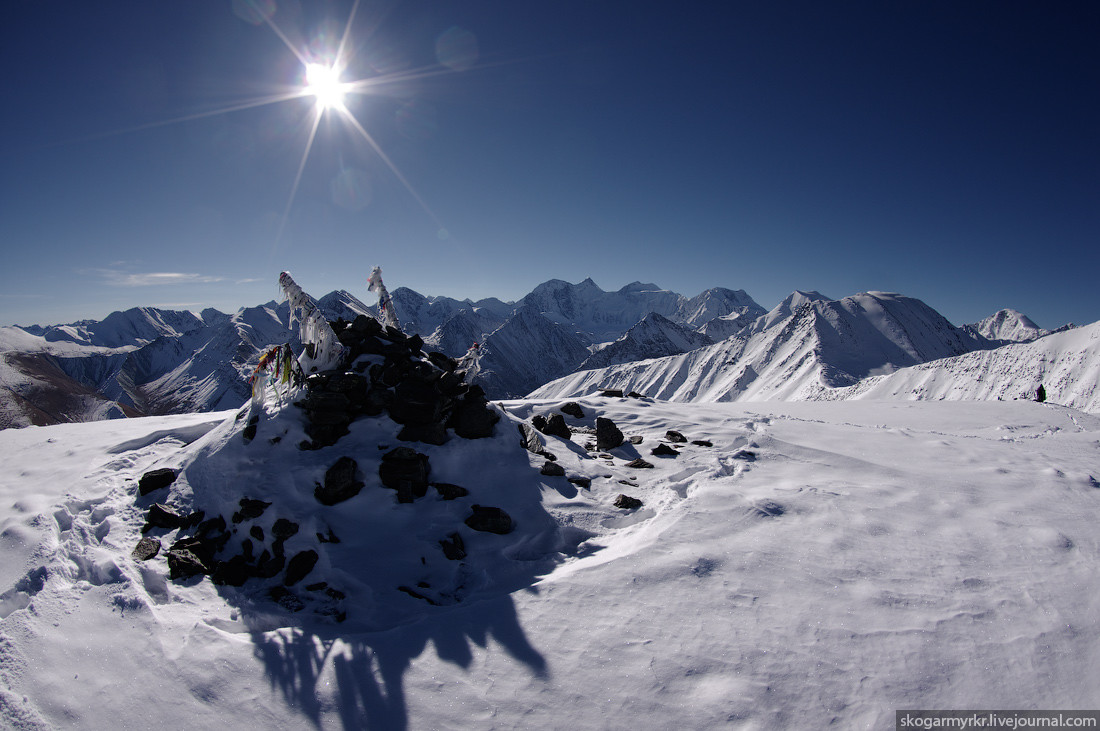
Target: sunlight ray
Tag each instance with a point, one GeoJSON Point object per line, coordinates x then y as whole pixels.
{"type": "Point", "coordinates": [318, 113]}
{"type": "Point", "coordinates": [390, 164]}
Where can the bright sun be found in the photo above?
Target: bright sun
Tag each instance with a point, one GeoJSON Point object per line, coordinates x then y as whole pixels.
{"type": "Point", "coordinates": [324, 83]}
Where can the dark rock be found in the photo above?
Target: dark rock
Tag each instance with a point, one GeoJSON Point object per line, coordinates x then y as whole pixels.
{"type": "Point", "coordinates": [300, 566]}
{"type": "Point", "coordinates": [340, 483]}
{"type": "Point", "coordinates": [490, 520]}
{"type": "Point", "coordinates": [183, 564]}
{"type": "Point", "coordinates": [581, 482]}
{"type": "Point", "coordinates": [377, 400]}
{"type": "Point", "coordinates": [631, 483]}
{"type": "Point", "coordinates": [324, 435]}
{"type": "Point", "coordinates": [156, 480]}
{"type": "Point", "coordinates": [442, 361]}
{"type": "Point", "coordinates": [247, 550]}
{"type": "Point", "coordinates": [745, 454]}
{"type": "Point", "coordinates": [283, 529]}
{"type": "Point", "coordinates": [325, 401]}
{"type": "Point", "coordinates": [701, 443]}
{"type": "Point", "coordinates": [635, 394]}
{"type": "Point", "coordinates": [415, 401]}
{"type": "Point", "coordinates": [250, 509]}
{"type": "Point", "coordinates": [162, 516]}
{"type": "Point", "coordinates": [146, 549]}
{"type": "Point", "coordinates": [203, 549]}
{"type": "Point", "coordinates": [608, 435]}
{"type": "Point", "coordinates": [405, 470]}
{"type": "Point", "coordinates": [639, 464]}
{"type": "Point", "coordinates": [268, 566]}
{"type": "Point", "coordinates": [453, 547]}
{"type": "Point", "coordinates": [210, 527]}
{"type": "Point", "coordinates": [193, 519]}
{"type": "Point", "coordinates": [612, 392]}
{"type": "Point", "coordinates": [366, 325]}
{"type": "Point", "coordinates": [350, 384]}
{"type": "Point", "coordinates": [417, 595]}
{"type": "Point", "coordinates": [663, 450]}
{"type": "Point", "coordinates": [573, 409]}
{"type": "Point", "coordinates": [233, 572]}
{"type": "Point", "coordinates": [675, 437]}
{"type": "Point", "coordinates": [318, 586]}
{"type": "Point", "coordinates": [414, 344]}
{"type": "Point", "coordinates": [473, 418]}
{"type": "Point", "coordinates": [551, 469]}
{"type": "Point", "coordinates": [286, 599]}
{"type": "Point", "coordinates": [529, 438]}
{"type": "Point", "coordinates": [635, 440]}
{"type": "Point", "coordinates": [431, 433]}
{"type": "Point", "coordinates": [627, 503]}
{"type": "Point", "coordinates": [554, 425]}
{"type": "Point", "coordinates": [249, 432]}
{"type": "Point", "coordinates": [256, 532]}
{"type": "Point", "coordinates": [450, 492]}
{"type": "Point", "coordinates": [329, 538]}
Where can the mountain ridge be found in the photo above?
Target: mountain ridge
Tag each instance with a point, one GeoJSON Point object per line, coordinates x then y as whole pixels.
{"type": "Point", "coordinates": [150, 361]}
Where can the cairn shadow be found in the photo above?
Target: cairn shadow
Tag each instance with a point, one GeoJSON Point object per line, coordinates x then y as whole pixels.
{"type": "Point", "coordinates": [368, 669]}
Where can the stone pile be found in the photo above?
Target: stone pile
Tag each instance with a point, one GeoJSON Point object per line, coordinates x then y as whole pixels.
{"type": "Point", "coordinates": [386, 371]}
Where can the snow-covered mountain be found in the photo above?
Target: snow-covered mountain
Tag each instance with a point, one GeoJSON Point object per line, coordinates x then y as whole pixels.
{"type": "Point", "coordinates": [598, 316]}
{"type": "Point", "coordinates": [654, 336]}
{"type": "Point", "coordinates": [806, 343]}
{"type": "Point", "coordinates": [424, 315]}
{"type": "Point", "coordinates": [1006, 326]}
{"type": "Point", "coordinates": [158, 361]}
{"type": "Point", "coordinates": [132, 328]}
{"type": "Point", "coordinates": [1065, 364]}
{"type": "Point", "coordinates": [524, 352]}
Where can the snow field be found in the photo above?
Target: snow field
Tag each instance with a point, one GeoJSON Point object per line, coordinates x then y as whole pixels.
{"type": "Point", "coordinates": [868, 556]}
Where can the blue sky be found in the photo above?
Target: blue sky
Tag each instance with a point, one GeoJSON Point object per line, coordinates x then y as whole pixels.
{"type": "Point", "coordinates": [945, 150]}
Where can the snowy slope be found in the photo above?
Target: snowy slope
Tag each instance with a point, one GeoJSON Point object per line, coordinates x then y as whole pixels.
{"type": "Point", "coordinates": [654, 336]}
{"type": "Point", "coordinates": [1066, 364]}
{"type": "Point", "coordinates": [525, 351]}
{"type": "Point", "coordinates": [806, 341]}
{"type": "Point", "coordinates": [820, 565]}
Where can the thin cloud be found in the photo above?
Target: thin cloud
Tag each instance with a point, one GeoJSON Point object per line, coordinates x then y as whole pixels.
{"type": "Point", "coordinates": [118, 278]}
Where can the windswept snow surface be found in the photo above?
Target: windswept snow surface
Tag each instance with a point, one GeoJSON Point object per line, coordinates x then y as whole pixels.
{"type": "Point", "coordinates": [821, 564]}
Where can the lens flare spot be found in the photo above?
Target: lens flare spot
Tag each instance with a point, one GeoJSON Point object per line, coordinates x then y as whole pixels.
{"type": "Point", "coordinates": [255, 12]}
{"type": "Point", "coordinates": [456, 48]}
{"type": "Point", "coordinates": [416, 120]}
{"type": "Point", "coordinates": [351, 189]}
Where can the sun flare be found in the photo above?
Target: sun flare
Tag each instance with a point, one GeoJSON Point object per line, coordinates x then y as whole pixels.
{"type": "Point", "coordinates": [323, 82]}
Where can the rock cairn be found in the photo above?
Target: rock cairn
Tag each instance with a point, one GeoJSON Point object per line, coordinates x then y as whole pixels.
{"type": "Point", "coordinates": [387, 372]}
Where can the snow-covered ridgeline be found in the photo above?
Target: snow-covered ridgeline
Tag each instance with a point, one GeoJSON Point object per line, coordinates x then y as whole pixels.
{"type": "Point", "coordinates": [1066, 364]}
{"type": "Point", "coordinates": [813, 348]}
